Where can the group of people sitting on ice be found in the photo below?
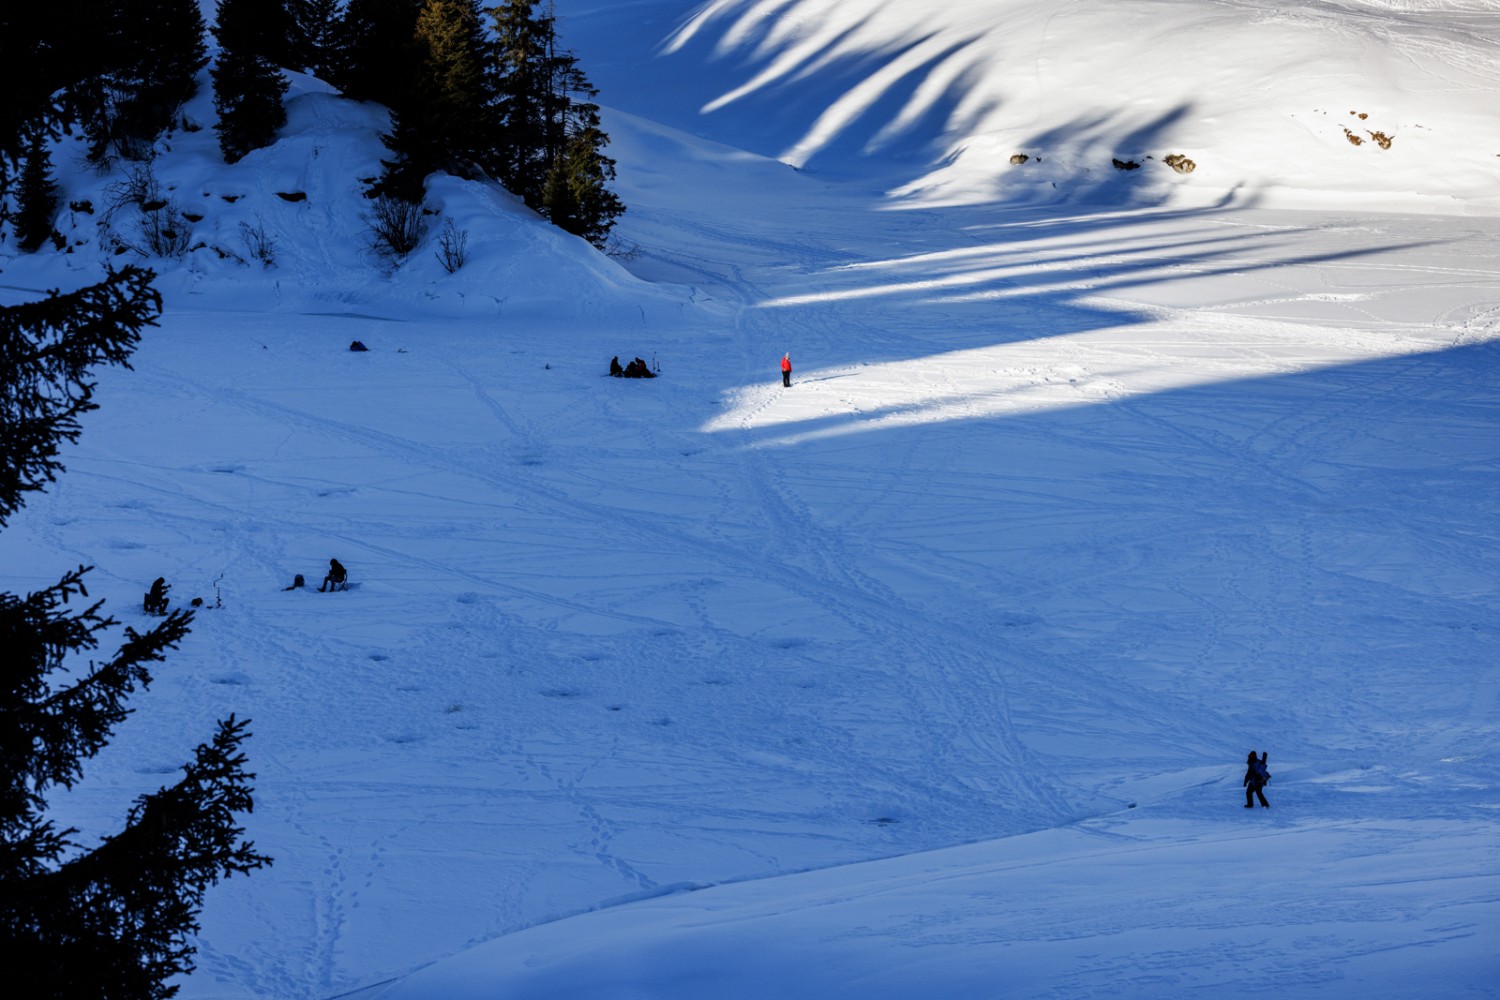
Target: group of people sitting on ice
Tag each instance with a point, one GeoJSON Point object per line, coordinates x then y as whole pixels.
{"type": "Point", "coordinates": [155, 601]}
{"type": "Point", "coordinates": [636, 369]}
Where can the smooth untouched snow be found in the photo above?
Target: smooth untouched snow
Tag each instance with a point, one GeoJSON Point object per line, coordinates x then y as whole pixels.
{"type": "Point", "coordinates": [932, 675]}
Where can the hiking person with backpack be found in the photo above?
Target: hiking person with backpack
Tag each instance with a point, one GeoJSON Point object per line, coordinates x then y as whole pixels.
{"type": "Point", "coordinates": [1256, 776]}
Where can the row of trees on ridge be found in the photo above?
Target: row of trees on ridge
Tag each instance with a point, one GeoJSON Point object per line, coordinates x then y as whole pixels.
{"type": "Point", "coordinates": [474, 91]}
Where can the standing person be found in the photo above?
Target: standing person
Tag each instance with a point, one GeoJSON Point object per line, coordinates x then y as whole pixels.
{"type": "Point", "coordinates": [336, 578]}
{"type": "Point", "coordinates": [1256, 776]}
{"type": "Point", "coordinates": [786, 369]}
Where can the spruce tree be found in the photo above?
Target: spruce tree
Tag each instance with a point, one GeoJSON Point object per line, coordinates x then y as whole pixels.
{"type": "Point", "coordinates": [166, 50]}
{"type": "Point", "coordinates": [523, 40]}
{"type": "Point", "coordinates": [160, 49]}
{"type": "Point", "coordinates": [31, 40]}
{"type": "Point", "coordinates": [51, 50]}
{"type": "Point", "coordinates": [248, 83]}
{"type": "Point", "coordinates": [575, 197]}
{"type": "Point", "coordinates": [444, 122]}
{"type": "Point", "coordinates": [112, 921]}
{"type": "Point", "coordinates": [36, 198]}
{"type": "Point", "coordinates": [451, 76]}
{"type": "Point", "coordinates": [152, 52]}
{"type": "Point", "coordinates": [376, 50]}
{"type": "Point", "coordinates": [551, 152]}
{"type": "Point", "coordinates": [315, 26]}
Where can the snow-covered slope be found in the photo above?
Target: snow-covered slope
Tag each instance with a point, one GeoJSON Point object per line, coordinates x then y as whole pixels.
{"type": "Point", "coordinates": [303, 198]}
{"type": "Point", "coordinates": [1265, 97]}
{"type": "Point", "coordinates": [931, 675]}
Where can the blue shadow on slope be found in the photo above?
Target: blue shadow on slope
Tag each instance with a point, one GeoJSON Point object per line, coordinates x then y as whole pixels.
{"type": "Point", "coordinates": [1334, 530]}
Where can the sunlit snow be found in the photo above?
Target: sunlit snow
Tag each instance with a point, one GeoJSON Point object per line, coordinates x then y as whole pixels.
{"type": "Point", "coordinates": [932, 675]}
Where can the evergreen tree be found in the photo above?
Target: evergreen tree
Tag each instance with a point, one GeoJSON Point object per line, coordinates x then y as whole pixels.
{"type": "Point", "coordinates": [451, 78]}
{"type": "Point", "coordinates": [152, 52]}
{"type": "Point", "coordinates": [315, 26]}
{"type": "Point", "coordinates": [524, 39]}
{"type": "Point", "coordinates": [575, 197]}
{"type": "Point", "coordinates": [551, 152]}
{"type": "Point", "coordinates": [50, 50]}
{"type": "Point", "coordinates": [31, 40]}
{"type": "Point", "coordinates": [444, 123]}
{"type": "Point", "coordinates": [111, 922]}
{"type": "Point", "coordinates": [36, 199]}
{"type": "Point", "coordinates": [248, 83]}
{"type": "Point", "coordinates": [166, 49]}
{"type": "Point", "coordinates": [376, 40]}
{"type": "Point", "coordinates": [45, 351]}
{"type": "Point", "coordinates": [156, 49]}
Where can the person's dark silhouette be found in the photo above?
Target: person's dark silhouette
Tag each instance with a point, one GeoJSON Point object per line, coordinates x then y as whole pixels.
{"type": "Point", "coordinates": [155, 602]}
{"type": "Point", "coordinates": [1255, 780]}
{"type": "Point", "coordinates": [337, 578]}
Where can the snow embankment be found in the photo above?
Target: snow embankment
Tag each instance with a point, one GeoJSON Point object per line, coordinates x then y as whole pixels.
{"type": "Point", "coordinates": [1143, 909]}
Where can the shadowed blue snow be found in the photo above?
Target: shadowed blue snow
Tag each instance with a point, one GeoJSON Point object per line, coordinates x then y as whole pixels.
{"type": "Point", "coordinates": [931, 675]}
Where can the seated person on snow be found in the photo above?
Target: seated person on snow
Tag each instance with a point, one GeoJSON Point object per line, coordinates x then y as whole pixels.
{"type": "Point", "coordinates": [155, 602]}
{"type": "Point", "coordinates": [337, 578]}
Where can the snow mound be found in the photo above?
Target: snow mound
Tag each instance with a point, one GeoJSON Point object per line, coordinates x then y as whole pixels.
{"type": "Point", "coordinates": [288, 227]}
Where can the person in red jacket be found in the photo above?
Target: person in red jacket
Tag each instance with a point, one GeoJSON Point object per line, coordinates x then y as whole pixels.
{"type": "Point", "coordinates": [786, 369]}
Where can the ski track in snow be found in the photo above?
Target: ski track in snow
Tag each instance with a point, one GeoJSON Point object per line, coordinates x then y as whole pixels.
{"type": "Point", "coordinates": [997, 675]}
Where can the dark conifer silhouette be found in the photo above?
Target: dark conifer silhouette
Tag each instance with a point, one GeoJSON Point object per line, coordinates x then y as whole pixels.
{"type": "Point", "coordinates": [445, 120]}
{"type": "Point", "coordinates": [255, 39]}
{"type": "Point", "coordinates": [154, 50]}
{"type": "Point", "coordinates": [524, 40]}
{"type": "Point", "coordinates": [50, 51]}
{"type": "Point", "coordinates": [315, 25]}
{"type": "Point", "coordinates": [575, 197]}
{"type": "Point", "coordinates": [551, 149]}
{"type": "Point", "coordinates": [36, 196]}
{"type": "Point", "coordinates": [375, 51]}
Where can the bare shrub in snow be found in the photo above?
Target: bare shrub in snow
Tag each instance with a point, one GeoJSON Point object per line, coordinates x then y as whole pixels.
{"type": "Point", "coordinates": [259, 243]}
{"type": "Point", "coordinates": [396, 228]}
{"type": "Point", "coordinates": [138, 189]}
{"type": "Point", "coordinates": [621, 249]}
{"type": "Point", "coordinates": [140, 218]}
{"type": "Point", "coordinates": [453, 247]}
{"type": "Point", "coordinates": [164, 232]}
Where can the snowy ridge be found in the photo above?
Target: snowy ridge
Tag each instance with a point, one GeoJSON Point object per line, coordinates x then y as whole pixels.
{"type": "Point", "coordinates": [1261, 96]}
{"type": "Point", "coordinates": [931, 675]}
